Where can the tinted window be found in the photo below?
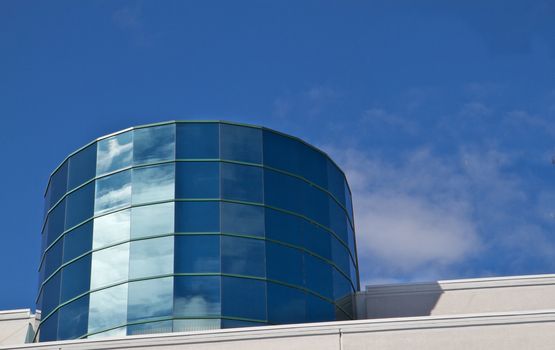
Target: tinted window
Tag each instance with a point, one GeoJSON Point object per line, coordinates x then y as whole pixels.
{"type": "Point", "coordinates": [73, 319]}
{"type": "Point", "coordinates": [318, 276]}
{"type": "Point", "coordinates": [240, 324]}
{"type": "Point", "coordinates": [111, 228]}
{"type": "Point", "coordinates": [197, 140]}
{"type": "Point", "coordinates": [51, 295]}
{"type": "Point", "coordinates": [338, 220]}
{"type": "Point", "coordinates": [197, 217]}
{"type": "Point", "coordinates": [150, 299]}
{"type": "Point", "coordinates": [55, 222]}
{"type": "Point", "coordinates": [317, 240]}
{"type": "Point", "coordinates": [152, 220]}
{"type": "Point", "coordinates": [281, 152]}
{"type": "Point", "coordinates": [197, 180]}
{"type": "Point", "coordinates": [114, 153]}
{"type": "Point", "coordinates": [75, 278]}
{"type": "Point", "coordinates": [319, 310]}
{"type": "Point", "coordinates": [241, 143]}
{"type": "Point", "coordinates": [242, 219]}
{"type": "Point", "coordinates": [82, 166]}
{"type": "Point", "coordinates": [284, 191]}
{"type": "Point", "coordinates": [154, 144]}
{"type": "Point", "coordinates": [49, 328]}
{"type": "Point", "coordinates": [110, 265]}
{"type": "Point", "coordinates": [283, 227]}
{"type": "Point", "coordinates": [79, 205]}
{"type": "Point", "coordinates": [341, 286]}
{"type": "Point", "coordinates": [284, 264]}
{"type": "Point", "coordinates": [150, 328]}
{"type": "Point", "coordinates": [113, 192]}
{"type": "Point", "coordinates": [243, 256]}
{"type": "Point", "coordinates": [197, 253]}
{"type": "Point", "coordinates": [336, 182]}
{"type": "Point", "coordinates": [108, 308]}
{"type": "Point", "coordinates": [242, 297]}
{"type": "Point", "coordinates": [78, 241]}
{"type": "Point", "coordinates": [241, 182]}
{"type": "Point", "coordinates": [316, 204]}
{"type": "Point", "coordinates": [153, 183]}
{"type": "Point", "coordinates": [151, 257]}
{"type": "Point", "coordinates": [53, 258]}
{"type": "Point", "coordinates": [313, 166]}
{"type": "Point", "coordinates": [340, 255]}
{"type": "Point", "coordinates": [197, 296]}
{"type": "Point", "coordinates": [58, 184]}
{"type": "Point", "coordinates": [348, 202]}
{"type": "Point", "coordinates": [285, 305]}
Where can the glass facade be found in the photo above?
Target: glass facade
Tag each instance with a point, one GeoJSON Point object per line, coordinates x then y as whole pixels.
{"type": "Point", "coordinates": [184, 226]}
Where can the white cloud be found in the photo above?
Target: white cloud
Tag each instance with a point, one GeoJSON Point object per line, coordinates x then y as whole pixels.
{"type": "Point", "coordinates": [378, 117]}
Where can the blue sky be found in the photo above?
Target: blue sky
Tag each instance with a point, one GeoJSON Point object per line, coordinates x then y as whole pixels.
{"type": "Point", "coordinates": [441, 113]}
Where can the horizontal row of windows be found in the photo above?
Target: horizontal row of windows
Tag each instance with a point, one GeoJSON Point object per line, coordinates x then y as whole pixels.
{"type": "Point", "coordinates": [186, 297]}
{"type": "Point", "coordinates": [197, 141]}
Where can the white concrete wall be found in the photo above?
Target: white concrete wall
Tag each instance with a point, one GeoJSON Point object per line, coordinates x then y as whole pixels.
{"type": "Point", "coordinates": [16, 326]}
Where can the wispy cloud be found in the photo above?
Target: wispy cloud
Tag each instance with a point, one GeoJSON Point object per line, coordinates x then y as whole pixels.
{"type": "Point", "coordinates": [130, 19]}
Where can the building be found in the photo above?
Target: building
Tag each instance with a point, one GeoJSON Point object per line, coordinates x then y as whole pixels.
{"type": "Point", "coordinates": [184, 226]}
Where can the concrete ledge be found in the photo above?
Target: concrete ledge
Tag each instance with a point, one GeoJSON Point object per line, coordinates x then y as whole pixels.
{"type": "Point", "coordinates": [15, 314]}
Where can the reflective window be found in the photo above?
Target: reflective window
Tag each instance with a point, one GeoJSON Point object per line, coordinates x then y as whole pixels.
{"type": "Point", "coordinates": [316, 204]}
{"type": "Point", "coordinates": [313, 166]}
{"type": "Point", "coordinates": [341, 286]}
{"type": "Point", "coordinates": [153, 144]}
{"type": "Point", "coordinates": [318, 276]}
{"type": "Point", "coordinates": [53, 258]}
{"type": "Point", "coordinates": [151, 257]}
{"type": "Point", "coordinates": [282, 152]}
{"type": "Point", "coordinates": [152, 220]}
{"type": "Point", "coordinates": [51, 294]}
{"type": "Point", "coordinates": [75, 278]}
{"type": "Point", "coordinates": [82, 166]}
{"type": "Point", "coordinates": [241, 182]}
{"type": "Point", "coordinates": [114, 153]}
{"type": "Point", "coordinates": [49, 328]}
{"type": "Point", "coordinates": [58, 185]}
{"type": "Point", "coordinates": [150, 299]}
{"type": "Point", "coordinates": [55, 222]}
{"type": "Point", "coordinates": [78, 241]}
{"type": "Point", "coordinates": [197, 140]}
{"type": "Point", "coordinates": [241, 143]}
{"type": "Point", "coordinates": [319, 310]}
{"type": "Point", "coordinates": [243, 297]}
{"type": "Point", "coordinates": [197, 180]}
{"type": "Point", "coordinates": [340, 255]}
{"type": "Point", "coordinates": [286, 305]}
{"type": "Point", "coordinates": [242, 219]}
{"type": "Point", "coordinates": [243, 256]}
{"type": "Point", "coordinates": [197, 253]}
{"type": "Point", "coordinates": [108, 308]}
{"type": "Point", "coordinates": [317, 240]}
{"type": "Point", "coordinates": [283, 227]}
{"type": "Point", "coordinates": [335, 182]}
{"type": "Point", "coordinates": [338, 220]}
{"type": "Point", "coordinates": [153, 183]}
{"type": "Point", "coordinates": [284, 264]}
{"type": "Point", "coordinates": [110, 265]}
{"type": "Point", "coordinates": [111, 228]}
{"type": "Point", "coordinates": [197, 217]}
{"type": "Point", "coordinates": [73, 319]}
{"type": "Point", "coordinates": [117, 332]}
{"type": "Point", "coordinates": [196, 325]}
{"type": "Point", "coordinates": [150, 328]}
{"type": "Point", "coordinates": [197, 296]}
{"type": "Point", "coordinates": [240, 324]}
{"type": "Point", "coordinates": [284, 191]}
{"type": "Point", "coordinates": [113, 192]}
{"type": "Point", "coordinates": [348, 201]}
{"type": "Point", "coordinates": [79, 205]}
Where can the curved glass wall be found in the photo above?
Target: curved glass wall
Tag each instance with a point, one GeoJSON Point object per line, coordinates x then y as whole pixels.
{"type": "Point", "coordinates": [185, 226]}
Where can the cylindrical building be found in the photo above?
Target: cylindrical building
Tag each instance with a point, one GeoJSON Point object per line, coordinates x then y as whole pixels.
{"type": "Point", "coordinates": [183, 226]}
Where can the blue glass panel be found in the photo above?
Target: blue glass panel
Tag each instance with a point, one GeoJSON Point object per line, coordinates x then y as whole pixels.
{"type": "Point", "coordinates": [73, 319]}
{"type": "Point", "coordinates": [319, 310]}
{"type": "Point", "coordinates": [53, 258]}
{"type": "Point", "coordinates": [341, 286]}
{"type": "Point", "coordinates": [351, 240]}
{"type": "Point", "coordinates": [79, 205]}
{"type": "Point", "coordinates": [114, 153]}
{"type": "Point", "coordinates": [58, 184]}
{"type": "Point", "coordinates": [336, 182]}
{"type": "Point", "coordinates": [316, 205]}
{"type": "Point", "coordinates": [197, 180]}
{"type": "Point", "coordinates": [116, 332]}
{"type": "Point", "coordinates": [153, 183]}
{"type": "Point", "coordinates": [113, 192]}
{"type": "Point", "coordinates": [348, 202]}
{"type": "Point", "coordinates": [317, 240]}
{"type": "Point", "coordinates": [340, 255]}
{"type": "Point", "coordinates": [82, 166]}
{"type": "Point", "coordinates": [197, 253]}
{"type": "Point", "coordinates": [284, 264]}
{"type": "Point", "coordinates": [197, 296]}
{"type": "Point", "coordinates": [49, 328]}
{"type": "Point", "coordinates": [338, 220]}
{"type": "Point", "coordinates": [243, 297]}
{"type": "Point", "coordinates": [318, 276]}
{"type": "Point", "coordinates": [283, 227]}
{"type": "Point", "coordinates": [152, 220]}
{"type": "Point", "coordinates": [153, 144]}
{"type": "Point", "coordinates": [243, 256]}
{"type": "Point", "coordinates": [196, 325]}
{"type": "Point", "coordinates": [111, 228]}
{"type": "Point", "coordinates": [313, 166]}
{"type": "Point", "coordinates": [282, 152]}
{"type": "Point", "coordinates": [110, 265]}
{"type": "Point", "coordinates": [151, 257]}
{"type": "Point", "coordinates": [240, 324]}
{"type": "Point", "coordinates": [241, 143]}
{"type": "Point", "coordinates": [150, 328]}
{"type": "Point", "coordinates": [197, 140]}
{"type": "Point", "coordinates": [76, 278]}
{"type": "Point", "coordinates": [55, 222]}
{"type": "Point", "coordinates": [197, 217]}
{"type": "Point", "coordinates": [150, 299]}
{"type": "Point", "coordinates": [78, 241]}
{"type": "Point", "coordinates": [284, 191]}
{"type": "Point", "coordinates": [51, 295]}
{"type": "Point", "coordinates": [242, 219]}
{"type": "Point", "coordinates": [108, 309]}
{"type": "Point", "coordinates": [242, 182]}
{"type": "Point", "coordinates": [286, 305]}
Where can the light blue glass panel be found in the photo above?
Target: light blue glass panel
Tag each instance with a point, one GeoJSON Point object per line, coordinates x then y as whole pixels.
{"type": "Point", "coordinates": [111, 228]}
{"type": "Point", "coordinates": [114, 153]}
{"type": "Point", "coordinates": [110, 265]}
{"type": "Point", "coordinates": [108, 308]}
{"type": "Point", "coordinates": [242, 182]}
{"type": "Point", "coordinates": [154, 144]}
{"type": "Point", "coordinates": [113, 192]}
{"type": "Point", "coordinates": [196, 325]}
{"type": "Point", "coordinates": [150, 299]}
{"type": "Point", "coordinates": [152, 220]}
{"type": "Point", "coordinates": [197, 296]}
{"type": "Point", "coordinates": [116, 332]}
{"type": "Point", "coordinates": [242, 219]}
{"type": "Point", "coordinates": [73, 319]}
{"type": "Point", "coordinates": [241, 143]}
{"type": "Point", "coordinates": [150, 328]}
{"type": "Point", "coordinates": [243, 256]}
{"type": "Point", "coordinates": [151, 257]}
{"type": "Point", "coordinates": [197, 140]}
{"type": "Point", "coordinates": [153, 183]}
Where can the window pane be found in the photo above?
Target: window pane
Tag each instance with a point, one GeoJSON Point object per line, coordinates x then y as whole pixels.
{"type": "Point", "coordinates": [338, 220]}
{"type": "Point", "coordinates": [284, 191]}
{"type": "Point", "coordinates": [152, 220]}
{"type": "Point", "coordinates": [240, 324]}
{"type": "Point", "coordinates": [110, 265]}
{"type": "Point", "coordinates": [197, 140]}
{"type": "Point", "coordinates": [241, 143]}
{"type": "Point", "coordinates": [341, 287]}
{"type": "Point", "coordinates": [197, 180]}
{"type": "Point", "coordinates": [348, 201]}
{"type": "Point", "coordinates": [243, 219]}
{"type": "Point", "coordinates": [108, 308]}
{"type": "Point", "coordinates": [150, 328]}
{"type": "Point", "coordinates": [316, 204]}
{"type": "Point", "coordinates": [283, 227]}
{"type": "Point", "coordinates": [243, 297]}
{"type": "Point", "coordinates": [49, 328]}
{"type": "Point", "coordinates": [80, 205]}
{"type": "Point", "coordinates": [197, 217]}
{"type": "Point", "coordinates": [114, 153]}
{"type": "Point", "coordinates": [117, 332]}
{"type": "Point", "coordinates": [53, 258]}
{"type": "Point", "coordinates": [336, 182]}
{"type": "Point", "coordinates": [58, 184]}
{"type": "Point", "coordinates": [82, 166]}
{"type": "Point", "coordinates": [197, 296]}
{"type": "Point", "coordinates": [55, 223]}
{"type": "Point", "coordinates": [243, 256]}
{"type": "Point", "coordinates": [317, 240]}
{"type": "Point", "coordinates": [150, 298]}
{"type": "Point", "coordinates": [75, 278]}
{"type": "Point", "coordinates": [73, 319]}
{"type": "Point", "coordinates": [318, 276]}
{"type": "Point", "coordinates": [78, 241]}
{"type": "Point", "coordinates": [111, 228]}
{"type": "Point", "coordinates": [351, 240]}
{"type": "Point", "coordinates": [196, 325]}
{"type": "Point", "coordinates": [153, 183]}
{"type": "Point", "coordinates": [242, 182]}
{"type": "Point", "coordinates": [286, 305]}
{"type": "Point", "coordinates": [113, 192]}
{"type": "Point", "coordinates": [340, 255]}
{"type": "Point", "coordinates": [319, 310]}
{"type": "Point", "coordinates": [151, 257]}
{"type": "Point", "coordinates": [313, 166]}
{"type": "Point", "coordinates": [198, 253]}
{"type": "Point", "coordinates": [153, 144]}
{"type": "Point", "coordinates": [284, 264]}
{"type": "Point", "coordinates": [51, 295]}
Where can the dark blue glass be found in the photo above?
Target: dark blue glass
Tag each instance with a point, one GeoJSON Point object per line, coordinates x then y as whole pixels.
{"type": "Point", "coordinates": [284, 264]}
{"type": "Point", "coordinates": [51, 295]}
{"type": "Point", "coordinates": [319, 310]}
{"type": "Point", "coordinates": [351, 240]}
{"type": "Point", "coordinates": [197, 141]}
{"type": "Point", "coordinates": [336, 182]}
{"type": "Point", "coordinates": [197, 253]}
{"type": "Point", "coordinates": [285, 305]}
{"type": "Point", "coordinates": [197, 296]}
{"type": "Point", "coordinates": [154, 144]}
{"type": "Point", "coordinates": [317, 240]}
{"type": "Point", "coordinates": [76, 278]}
{"type": "Point", "coordinates": [242, 219]}
{"type": "Point", "coordinates": [282, 152]}
{"type": "Point", "coordinates": [49, 328]}
{"type": "Point", "coordinates": [245, 298]}
{"type": "Point", "coordinates": [348, 201]}
{"type": "Point", "coordinates": [55, 222]}
{"type": "Point", "coordinates": [53, 258]}
{"type": "Point", "coordinates": [73, 319]}
{"type": "Point", "coordinates": [240, 324]}
{"type": "Point", "coordinates": [341, 287]}
{"type": "Point", "coordinates": [284, 227]}
{"type": "Point", "coordinates": [313, 166]}
{"type": "Point", "coordinates": [241, 143]}
{"type": "Point", "coordinates": [338, 220]}
{"type": "Point", "coordinates": [82, 166]}
{"type": "Point", "coordinates": [284, 191]}
{"type": "Point", "coordinates": [197, 216]}
{"type": "Point", "coordinates": [150, 299]}
{"type": "Point", "coordinates": [197, 180]}
{"type": "Point", "coordinates": [58, 184]}
{"type": "Point", "coordinates": [150, 328]}
{"type": "Point", "coordinates": [243, 256]}
{"type": "Point", "coordinates": [79, 205]}
{"type": "Point", "coordinates": [340, 255]}
{"type": "Point", "coordinates": [242, 182]}
{"type": "Point", "coordinates": [318, 276]}
{"type": "Point", "coordinates": [316, 205]}
{"type": "Point", "coordinates": [78, 241]}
